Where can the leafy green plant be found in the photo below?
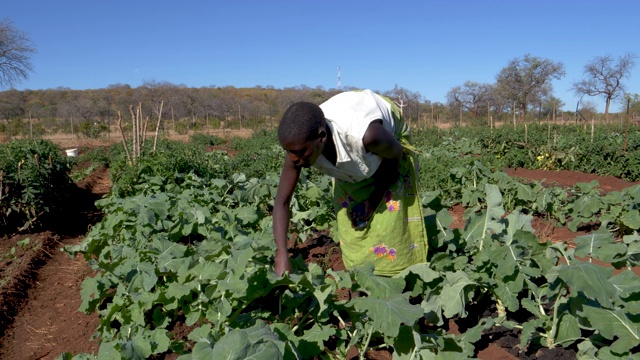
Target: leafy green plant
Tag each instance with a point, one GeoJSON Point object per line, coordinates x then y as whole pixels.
{"type": "Point", "coordinates": [92, 130]}
{"type": "Point", "coordinates": [204, 140]}
{"type": "Point", "coordinates": [195, 251]}
{"type": "Point", "coordinates": [34, 181]}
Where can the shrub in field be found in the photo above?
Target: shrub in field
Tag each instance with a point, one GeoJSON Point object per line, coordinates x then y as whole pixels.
{"type": "Point", "coordinates": [182, 127]}
{"type": "Point", "coordinates": [18, 127]}
{"type": "Point", "coordinates": [92, 129]}
{"type": "Point", "coordinates": [204, 140]}
{"type": "Point", "coordinates": [171, 161]}
{"type": "Point", "coordinates": [258, 155]}
{"type": "Point", "coordinates": [34, 180]}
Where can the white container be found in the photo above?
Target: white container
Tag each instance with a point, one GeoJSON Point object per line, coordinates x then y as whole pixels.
{"type": "Point", "coordinates": [72, 152]}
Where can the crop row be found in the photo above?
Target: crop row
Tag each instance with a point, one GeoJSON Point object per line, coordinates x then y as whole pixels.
{"type": "Point", "coordinates": [199, 255]}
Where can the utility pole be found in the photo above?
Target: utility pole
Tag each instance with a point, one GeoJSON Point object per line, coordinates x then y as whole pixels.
{"type": "Point", "coordinates": [339, 84]}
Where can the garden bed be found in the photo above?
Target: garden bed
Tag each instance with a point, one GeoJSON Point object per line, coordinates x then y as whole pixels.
{"type": "Point", "coordinates": [40, 291]}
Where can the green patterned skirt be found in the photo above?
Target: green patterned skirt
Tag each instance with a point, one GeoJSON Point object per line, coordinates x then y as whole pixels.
{"type": "Point", "coordinates": [396, 236]}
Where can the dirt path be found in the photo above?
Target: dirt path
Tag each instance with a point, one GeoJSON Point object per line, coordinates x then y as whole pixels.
{"type": "Point", "coordinates": [49, 323]}
{"type": "Point", "coordinates": [567, 178]}
{"type": "Point", "coordinates": [43, 320]}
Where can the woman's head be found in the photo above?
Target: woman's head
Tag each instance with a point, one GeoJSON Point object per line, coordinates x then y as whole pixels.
{"type": "Point", "coordinates": [302, 133]}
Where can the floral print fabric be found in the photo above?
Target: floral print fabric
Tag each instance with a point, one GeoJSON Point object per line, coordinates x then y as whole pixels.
{"type": "Point", "coordinates": [396, 236]}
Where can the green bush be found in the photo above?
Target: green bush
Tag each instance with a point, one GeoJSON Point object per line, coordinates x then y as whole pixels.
{"type": "Point", "coordinates": [204, 140]}
{"type": "Point", "coordinates": [172, 161]}
{"type": "Point", "coordinates": [182, 127]}
{"type": "Point", "coordinates": [34, 181]}
{"type": "Point", "coordinates": [92, 129]}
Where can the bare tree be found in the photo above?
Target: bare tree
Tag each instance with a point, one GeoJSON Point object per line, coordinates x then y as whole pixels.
{"type": "Point", "coordinates": [527, 80]}
{"type": "Point", "coordinates": [407, 101]}
{"type": "Point", "coordinates": [15, 54]}
{"type": "Point", "coordinates": [156, 93]}
{"type": "Point", "coordinates": [472, 97]}
{"type": "Point", "coordinates": [633, 102]}
{"type": "Point", "coordinates": [603, 77]}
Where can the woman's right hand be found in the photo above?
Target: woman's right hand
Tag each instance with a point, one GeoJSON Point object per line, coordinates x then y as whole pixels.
{"type": "Point", "coordinates": [282, 263]}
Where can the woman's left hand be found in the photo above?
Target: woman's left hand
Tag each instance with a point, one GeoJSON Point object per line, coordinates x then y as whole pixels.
{"type": "Point", "coordinates": [361, 214]}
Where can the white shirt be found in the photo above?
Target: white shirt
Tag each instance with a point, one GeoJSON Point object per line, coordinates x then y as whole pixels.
{"type": "Point", "coordinates": [348, 115]}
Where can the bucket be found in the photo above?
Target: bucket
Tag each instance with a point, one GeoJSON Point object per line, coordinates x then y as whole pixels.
{"type": "Point", "coordinates": [72, 152]}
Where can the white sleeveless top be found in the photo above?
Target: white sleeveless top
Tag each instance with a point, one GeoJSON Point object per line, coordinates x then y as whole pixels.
{"type": "Point", "coordinates": [348, 115]}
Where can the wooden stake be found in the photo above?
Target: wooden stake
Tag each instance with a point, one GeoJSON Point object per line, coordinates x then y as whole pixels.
{"type": "Point", "coordinates": [155, 139]}
{"type": "Point", "coordinates": [626, 128]}
{"type": "Point", "coordinates": [124, 139]}
{"type": "Point", "coordinates": [134, 135]}
{"type": "Point", "coordinates": [30, 126]}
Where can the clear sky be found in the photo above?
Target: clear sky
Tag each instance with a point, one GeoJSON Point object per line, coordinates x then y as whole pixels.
{"type": "Point", "coordinates": [424, 46]}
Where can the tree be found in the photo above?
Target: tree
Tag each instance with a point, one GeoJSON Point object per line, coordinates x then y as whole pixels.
{"type": "Point", "coordinates": [550, 107]}
{"type": "Point", "coordinates": [603, 77]}
{"type": "Point", "coordinates": [528, 80]}
{"type": "Point", "coordinates": [407, 101]}
{"type": "Point", "coordinates": [472, 97]}
{"type": "Point", "coordinates": [633, 101]}
{"type": "Point", "coordinates": [15, 54]}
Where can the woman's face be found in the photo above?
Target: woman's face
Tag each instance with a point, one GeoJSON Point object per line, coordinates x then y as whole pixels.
{"type": "Point", "coordinates": [304, 153]}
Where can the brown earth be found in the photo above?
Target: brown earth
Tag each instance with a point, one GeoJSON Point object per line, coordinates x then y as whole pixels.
{"type": "Point", "coordinates": [40, 285]}
{"type": "Point", "coordinates": [39, 316]}
{"type": "Point", "coordinates": [68, 141]}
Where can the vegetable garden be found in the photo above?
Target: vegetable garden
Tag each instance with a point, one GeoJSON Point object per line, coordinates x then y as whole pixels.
{"type": "Point", "coordinates": [181, 260]}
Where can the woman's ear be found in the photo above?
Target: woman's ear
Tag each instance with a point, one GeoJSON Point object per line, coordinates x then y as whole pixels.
{"type": "Point", "coordinates": [322, 135]}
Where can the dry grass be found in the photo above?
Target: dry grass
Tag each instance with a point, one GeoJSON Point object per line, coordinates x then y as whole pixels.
{"type": "Point", "coordinates": [68, 141]}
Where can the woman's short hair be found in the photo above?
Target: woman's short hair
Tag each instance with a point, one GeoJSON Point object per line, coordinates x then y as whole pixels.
{"type": "Point", "coordinates": [301, 121]}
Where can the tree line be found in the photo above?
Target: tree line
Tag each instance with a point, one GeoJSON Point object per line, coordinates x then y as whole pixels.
{"type": "Point", "coordinates": [523, 90]}
{"type": "Point", "coordinates": [69, 111]}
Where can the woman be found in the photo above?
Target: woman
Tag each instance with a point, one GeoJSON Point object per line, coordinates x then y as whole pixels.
{"type": "Point", "coordinates": [359, 138]}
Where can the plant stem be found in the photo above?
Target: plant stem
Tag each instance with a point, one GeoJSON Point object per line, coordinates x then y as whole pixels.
{"type": "Point", "coordinates": [366, 344]}
{"type": "Point", "coordinates": [554, 326]}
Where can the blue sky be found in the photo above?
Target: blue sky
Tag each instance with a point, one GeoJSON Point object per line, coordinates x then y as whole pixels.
{"type": "Point", "coordinates": [425, 46]}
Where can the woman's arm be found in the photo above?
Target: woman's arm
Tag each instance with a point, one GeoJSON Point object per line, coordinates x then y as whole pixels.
{"type": "Point", "coordinates": [288, 180]}
{"type": "Point", "coordinates": [381, 142]}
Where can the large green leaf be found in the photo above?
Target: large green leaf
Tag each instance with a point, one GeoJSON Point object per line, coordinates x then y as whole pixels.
{"type": "Point", "coordinates": [587, 206]}
{"type": "Point", "coordinates": [254, 343]}
{"type": "Point", "coordinates": [136, 348]}
{"type": "Point", "coordinates": [247, 215]}
{"type": "Point", "coordinates": [631, 218]}
{"type": "Point", "coordinates": [626, 282]}
{"type": "Point", "coordinates": [378, 286]}
{"type": "Point", "coordinates": [590, 279]}
{"type": "Point", "coordinates": [405, 344]}
{"type": "Point", "coordinates": [423, 271]}
{"type": "Point", "coordinates": [388, 314]}
{"type": "Point", "coordinates": [311, 343]}
{"type": "Point", "coordinates": [89, 294]}
{"type": "Point", "coordinates": [488, 222]}
{"type": "Point", "coordinates": [568, 330]}
{"type": "Point", "coordinates": [453, 298]}
{"type": "Point", "coordinates": [517, 221]}
{"type": "Point", "coordinates": [614, 324]}
{"type": "Point", "coordinates": [599, 245]}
